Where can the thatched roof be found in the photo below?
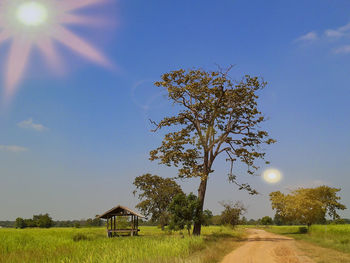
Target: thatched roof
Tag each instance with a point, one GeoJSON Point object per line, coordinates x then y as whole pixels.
{"type": "Point", "coordinates": [120, 211]}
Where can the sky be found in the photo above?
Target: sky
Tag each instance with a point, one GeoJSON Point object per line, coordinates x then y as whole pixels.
{"type": "Point", "coordinates": [71, 143]}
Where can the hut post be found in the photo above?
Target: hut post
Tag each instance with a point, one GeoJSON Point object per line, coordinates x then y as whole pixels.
{"type": "Point", "coordinates": [137, 225]}
{"type": "Point", "coordinates": [107, 226]}
{"type": "Point", "coordinates": [132, 225]}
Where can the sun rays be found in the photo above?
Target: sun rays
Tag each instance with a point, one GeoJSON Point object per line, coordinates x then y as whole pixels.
{"type": "Point", "coordinates": [28, 24]}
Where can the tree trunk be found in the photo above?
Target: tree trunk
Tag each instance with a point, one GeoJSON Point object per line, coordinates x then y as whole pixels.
{"type": "Point", "coordinates": [201, 195]}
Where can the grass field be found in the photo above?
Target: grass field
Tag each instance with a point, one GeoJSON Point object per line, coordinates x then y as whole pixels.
{"type": "Point", "coordinates": [328, 236]}
{"type": "Point", "coordinates": [91, 245]}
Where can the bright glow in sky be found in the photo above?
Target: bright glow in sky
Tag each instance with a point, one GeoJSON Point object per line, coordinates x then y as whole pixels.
{"type": "Point", "coordinates": [272, 176]}
{"type": "Point", "coordinates": [32, 13]}
{"type": "Point", "coordinates": [39, 24]}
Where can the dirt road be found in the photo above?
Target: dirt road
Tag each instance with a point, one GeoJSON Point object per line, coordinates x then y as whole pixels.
{"type": "Point", "coordinates": [264, 247]}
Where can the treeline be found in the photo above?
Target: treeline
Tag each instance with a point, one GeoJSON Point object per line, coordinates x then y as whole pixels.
{"type": "Point", "coordinates": [45, 221]}
{"type": "Point", "coordinates": [91, 222]}
{"type": "Point", "coordinates": [266, 220]}
{"type": "Point", "coordinates": [41, 221]}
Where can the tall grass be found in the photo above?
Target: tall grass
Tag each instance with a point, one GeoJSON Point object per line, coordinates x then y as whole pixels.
{"type": "Point", "coordinates": [91, 245]}
{"type": "Point", "coordinates": [329, 236]}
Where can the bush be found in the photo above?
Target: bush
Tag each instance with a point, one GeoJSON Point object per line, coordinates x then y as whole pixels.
{"type": "Point", "coordinates": [344, 241]}
{"type": "Point", "coordinates": [303, 230]}
{"type": "Point", "coordinates": [79, 237]}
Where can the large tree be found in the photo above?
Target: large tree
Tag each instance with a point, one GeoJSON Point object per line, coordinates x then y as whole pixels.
{"type": "Point", "coordinates": [216, 115]}
{"type": "Point", "coordinates": [307, 205]}
{"type": "Point", "coordinates": [155, 194]}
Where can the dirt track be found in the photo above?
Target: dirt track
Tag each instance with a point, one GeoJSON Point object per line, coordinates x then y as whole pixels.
{"type": "Point", "coordinates": [264, 247]}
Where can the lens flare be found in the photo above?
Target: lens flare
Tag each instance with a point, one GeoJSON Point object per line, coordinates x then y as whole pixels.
{"type": "Point", "coordinates": [272, 176]}
{"type": "Point", "coordinates": [32, 14]}
{"type": "Point", "coordinates": [41, 23]}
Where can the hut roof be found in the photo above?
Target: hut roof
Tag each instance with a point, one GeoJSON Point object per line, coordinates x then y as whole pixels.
{"type": "Point", "coordinates": [119, 211]}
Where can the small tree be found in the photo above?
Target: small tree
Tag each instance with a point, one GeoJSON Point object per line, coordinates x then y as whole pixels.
{"type": "Point", "coordinates": [207, 217]}
{"type": "Point", "coordinates": [266, 220]}
{"type": "Point", "coordinates": [20, 223]}
{"type": "Point", "coordinates": [156, 193]}
{"type": "Point", "coordinates": [216, 116]}
{"type": "Point", "coordinates": [43, 221]}
{"type": "Point", "coordinates": [243, 221]}
{"type": "Point", "coordinates": [183, 212]}
{"type": "Point", "coordinates": [232, 213]}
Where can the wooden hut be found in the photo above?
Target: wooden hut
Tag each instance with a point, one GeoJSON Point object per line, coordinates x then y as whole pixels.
{"type": "Point", "coordinates": [121, 211]}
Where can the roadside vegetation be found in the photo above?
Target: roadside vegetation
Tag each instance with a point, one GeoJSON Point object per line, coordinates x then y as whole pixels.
{"type": "Point", "coordinates": [322, 243]}
{"type": "Point", "coordinates": [91, 245]}
{"type": "Point", "coordinates": [328, 236]}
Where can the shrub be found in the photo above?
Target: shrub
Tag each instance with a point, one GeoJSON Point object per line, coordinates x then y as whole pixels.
{"type": "Point", "coordinates": [303, 230]}
{"type": "Point", "coordinates": [79, 237]}
{"type": "Point", "coordinates": [344, 241]}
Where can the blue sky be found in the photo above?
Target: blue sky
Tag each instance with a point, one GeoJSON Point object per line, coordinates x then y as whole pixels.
{"type": "Point", "coordinates": [71, 144]}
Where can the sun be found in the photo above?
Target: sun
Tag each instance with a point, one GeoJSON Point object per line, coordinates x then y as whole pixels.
{"type": "Point", "coordinates": [32, 13]}
{"type": "Point", "coordinates": [272, 175]}
{"type": "Point", "coordinates": [41, 24]}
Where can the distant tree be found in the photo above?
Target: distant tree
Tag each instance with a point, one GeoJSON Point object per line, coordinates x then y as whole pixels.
{"type": "Point", "coordinates": [183, 212]}
{"type": "Point", "coordinates": [207, 217]}
{"type": "Point", "coordinates": [8, 224]}
{"type": "Point", "coordinates": [156, 193]}
{"type": "Point", "coordinates": [89, 222]}
{"type": "Point", "coordinates": [43, 221]}
{"type": "Point", "coordinates": [216, 220]}
{"type": "Point", "coordinates": [243, 221]}
{"type": "Point", "coordinates": [266, 220]}
{"type": "Point", "coordinates": [346, 220]}
{"type": "Point", "coordinates": [30, 222]}
{"type": "Point", "coordinates": [97, 221]}
{"type": "Point", "coordinates": [217, 115]}
{"type": "Point", "coordinates": [278, 220]}
{"type": "Point", "coordinates": [232, 213]}
{"type": "Point", "coordinates": [20, 223]}
{"type": "Point", "coordinates": [252, 222]}
{"type": "Point", "coordinates": [307, 205]}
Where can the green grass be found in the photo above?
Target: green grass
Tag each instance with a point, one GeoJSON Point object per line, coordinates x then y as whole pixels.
{"type": "Point", "coordinates": [91, 245]}
{"type": "Point", "coordinates": [328, 236]}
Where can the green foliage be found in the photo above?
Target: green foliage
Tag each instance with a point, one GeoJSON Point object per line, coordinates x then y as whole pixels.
{"type": "Point", "coordinates": [252, 222]}
{"type": "Point", "coordinates": [20, 223]}
{"type": "Point", "coordinates": [329, 236]}
{"type": "Point", "coordinates": [156, 193]}
{"type": "Point", "coordinates": [307, 205]}
{"type": "Point", "coordinates": [232, 213]}
{"type": "Point", "coordinates": [207, 217]}
{"type": "Point", "coordinates": [7, 223]}
{"type": "Point", "coordinates": [216, 115]}
{"type": "Point", "coordinates": [183, 210]}
{"type": "Point", "coordinates": [41, 221]}
{"type": "Point", "coordinates": [303, 230]}
{"type": "Point", "coordinates": [266, 220]}
{"type": "Point", "coordinates": [122, 222]}
{"type": "Point", "coordinates": [79, 237]}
